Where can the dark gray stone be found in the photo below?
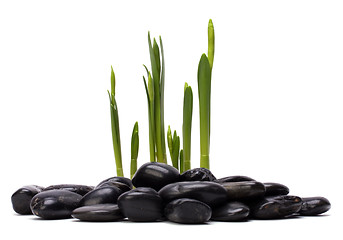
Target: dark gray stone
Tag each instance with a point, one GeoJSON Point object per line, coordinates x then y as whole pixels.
{"type": "Point", "coordinates": [275, 207]}
{"type": "Point", "coordinates": [236, 178]}
{"type": "Point", "coordinates": [197, 174]}
{"type": "Point", "coordinates": [312, 206]}
{"type": "Point", "coordinates": [55, 204]}
{"type": "Point", "coordinates": [211, 193]}
{"type": "Point", "coordinates": [141, 205]}
{"type": "Point", "coordinates": [155, 175]}
{"type": "Point", "coordinates": [21, 198]}
{"type": "Point", "coordinates": [231, 212]}
{"type": "Point", "coordinates": [124, 180]}
{"type": "Point", "coordinates": [79, 189]}
{"type": "Point", "coordinates": [98, 213]}
{"type": "Point", "coordinates": [274, 189]}
{"type": "Point", "coordinates": [100, 196]}
{"type": "Point", "coordinates": [185, 210]}
{"type": "Point", "coordinates": [244, 190]}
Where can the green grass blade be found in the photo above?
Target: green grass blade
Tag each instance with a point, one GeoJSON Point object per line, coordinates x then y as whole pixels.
{"type": "Point", "coordinates": [162, 100]}
{"type": "Point", "coordinates": [134, 149]}
{"type": "Point", "coordinates": [176, 150]}
{"type": "Point", "coordinates": [210, 52]}
{"type": "Point", "coordinates": [181, 161]}
{"type": "Point", "coordinates": [204, 91]}
{"type": "Point", "coordinates": [187, 126]}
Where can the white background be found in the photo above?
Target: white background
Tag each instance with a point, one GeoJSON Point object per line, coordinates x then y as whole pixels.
{"type": "Point", "coordinates": [277, 98]}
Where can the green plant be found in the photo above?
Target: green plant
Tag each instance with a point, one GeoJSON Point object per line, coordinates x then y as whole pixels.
{"type": "Point", "coordinates": [115, 126]}
{"type": "Point", "coordinates": [187, 126]}
{"type": "Point", "coordinates": [174, 147]}
{"type": "Point", "coordinates": [134, 149]}
{"type": "Point", "coordinates": [156, 99]}
{"type": "Point", "coordinates": [204, 91]}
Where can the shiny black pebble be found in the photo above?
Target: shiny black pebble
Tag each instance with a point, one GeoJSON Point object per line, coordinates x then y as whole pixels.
{"type": "Point", "coordinates": [141, 205]}
{"type": "Point", "coordinates": [211, 193]}
{"type": "Point", "coordinates": [124, 180]}
{"type": "Point", "coordinates": [98, 213]}
{"type": "Point", "coordinates": [122, 186]}
{"type": "Point", "coordinates": [197, 174]}
{"type": "Point", "coordinates": [21, 198]}
{"type": "Point", "coordinates": [185, 210]}
{"type": "Point", "coordinates": [231, 212]}
{"type": "Point", "coordinates": [55, 204]}
{"type": "Point", "coordinates": [275, 207]}
{"type": "Point", "coordinates": [79, 189]}
{"type": "Point", "coordinates": [237, 178]}
{"type": "Point", "coordinates": [312, 206]}
{"type": "Point", "coordinates": [244, 190]}
{"type": "Point", "coordinates": [100, 196]}
{"type": "Point", "coordinates": [155, 175]}
{"type": "Point", "coordinates": [274, 189]}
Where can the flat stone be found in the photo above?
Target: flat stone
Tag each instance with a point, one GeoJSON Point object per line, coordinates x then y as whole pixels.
{"type": "Point", "coordinates": [211, 193]}
{"type": "Point", "coordinates": [141, 205]}
{"type": "Point", "coordinates": [55, 204]}
{"type": "Point", "coordinates": [124, 180]}
{"type": "Point", "coordinates": [155, 175]}
{"type": "Point", "coordinates": [101, 196]}
{"type": "Point", "coordinates": [197, 174]}
{"type": "Point", "coordinates": [312, 206]}
{"type": "Point", "coordinates": [275, 207]}
{"type": "Point", "coordinates": [21, 198]}
{"type": "Point", "coordinates": [76, 188]}
{"type": "Point", "coordinates": [185, 210]}
{"type": "Point", "coordinates": [244, 190]}
{"type": "Point", "coordinates": [274, 189]}
{"type": "Point", "coordinates": [98, 213]}
{"type": "Point", "coordinates": [236, 178]}
{"type": "Point", "coordinates": [231, 212]}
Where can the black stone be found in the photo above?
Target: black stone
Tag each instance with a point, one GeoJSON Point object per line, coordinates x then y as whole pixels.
{"type": "Point", "coordinates": [98, 213]}
{"type": "Point", "coordinates": [79, 189]}
{"type": "Point", "coordinates": [122, 186]}
{"type": "Point", "coordinates": [100, 196]}
{"type": "Point", "coordinates": [197, 174]}
{"type": "Point", "coordinates": [312, 206]}
{"type": "Point", "coordinates": [21, 198]}
{"type": "Point", "coordinates": [274, 189]}
{"type": "Point", "coordinates": [211, 193]}
{"type": "Point", "coordinates": [231, 212]}
{"type": "Point", "coordinates": [124, 180]}
{"type": "Point", "coordinates": [275, 207]}
{"type": "Point", "coordinates": [244, 190]}
{"type": "Point", "coordinates": [141, 205]}
{"type": "Point", "coordinates": [155, 175]}
{"type": "Point", "coordinates": [185, 210]}
{"type": "Point", "coordinates": [55, 204]}
{"type": "Point", "coordinates": [237, 178]}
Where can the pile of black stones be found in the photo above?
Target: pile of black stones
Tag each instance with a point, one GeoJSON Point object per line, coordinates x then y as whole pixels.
{"type": "Point", "coordinates": [158, 192]}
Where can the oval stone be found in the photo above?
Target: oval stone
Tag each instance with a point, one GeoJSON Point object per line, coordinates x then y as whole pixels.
{"type": "Point", "coordinates": [100, 196]}
{"type": "Point", "coordinates": [244, 190]}
{"type": "Point", "coordinates": [236, 178]}
{"type": "Point", "coordinates": [231, 212]}
{"type": "Point", "coordinates": [55, 204]}
{"type": "Point", "coordinates": [141, 205]}
{"type": "Point", "coordinates": [276, 207]}
{"type": "Point", "coordinates": [79, 189]}
{"type": "Point", "coordinates": [185, 210]}
{"type": "Point", "coordinates": [274, 189]}
{"type": "Point", "coordinates": [211, 193]}
{"type": "Point", "coordinates": [155, 175]}
{"type": "Point", "coordinates": [98, 213]}
{"type": "Point", "coordinates": [21, 198]}
{"type": "Point", "coordinates": [124, 180]}
{"type": "Point", "coordinates": [197, 174]}
{"type": "Point", "coordinates": [122, 186]}
{"type": "Point", "coordinates": [312, 206]}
